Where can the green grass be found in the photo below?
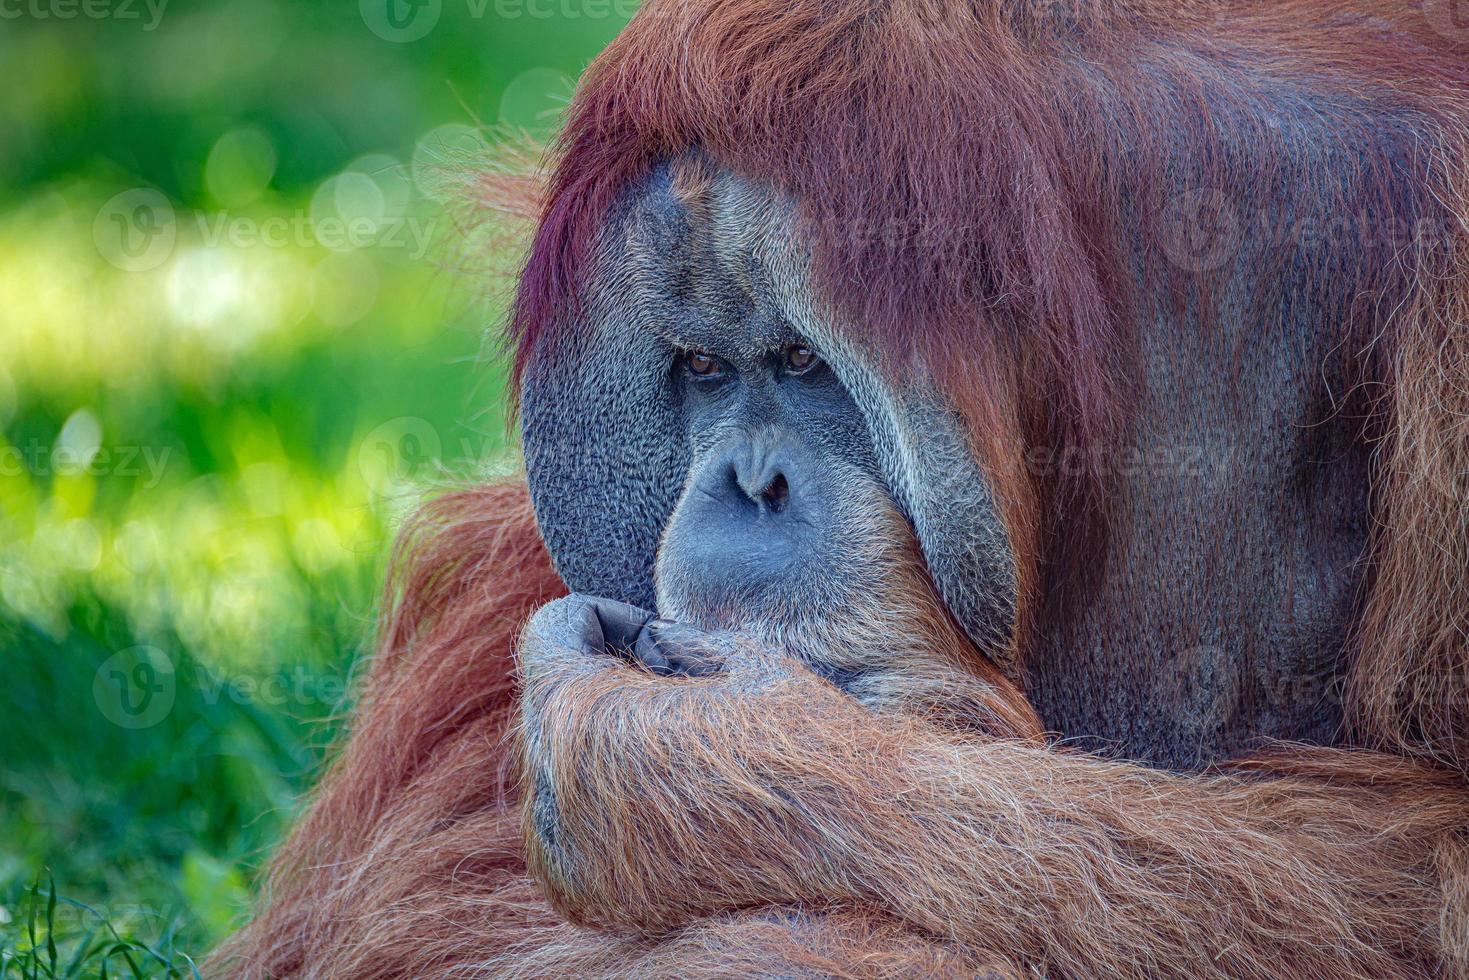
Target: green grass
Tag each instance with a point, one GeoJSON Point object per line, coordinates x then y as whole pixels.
{"type": "Point", "coordinates": [56, 937]}
{"type": "Point", "coordinates": [202, 460]}
{"type": "Point", "coordinates": [180, 641]}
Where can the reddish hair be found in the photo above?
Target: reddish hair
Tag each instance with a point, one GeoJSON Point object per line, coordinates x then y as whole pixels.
{"type": "Point", "coordinates": [953, 159]}
{"type": "Point", "coordinates": [960, 170]}
{"type": "Point", "coordinates": [981, 159]}
{"type": "Point", "coordinates": [429, 744]}
{"type": "Point", "coordinates": [410, 861]}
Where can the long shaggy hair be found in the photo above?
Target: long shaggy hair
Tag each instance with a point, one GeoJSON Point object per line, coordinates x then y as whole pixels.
{"type": "Point", "coordinates": [410, 861]}
{"type": "Point", "coordinates": [960, 169]}
{"type": "Point", "coordinates": [428, 747]}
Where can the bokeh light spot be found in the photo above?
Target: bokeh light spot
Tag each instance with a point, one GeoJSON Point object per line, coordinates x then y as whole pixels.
{"type": "Point", "coordinates": [444, 159]}
{"type": "Point", "coordinates": [239, 167]}
{"type": "Point", "coordinates": [344, 288]}
{"type": "Point", "coordinates": [535, 100]}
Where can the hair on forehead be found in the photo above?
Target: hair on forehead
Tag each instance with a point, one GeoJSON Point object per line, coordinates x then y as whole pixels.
{"type": "Point", "coordinates": [961, 166]}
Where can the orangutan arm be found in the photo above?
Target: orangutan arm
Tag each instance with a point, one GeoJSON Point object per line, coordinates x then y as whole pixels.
{"type": "Point", "coordinates": [657, 801]}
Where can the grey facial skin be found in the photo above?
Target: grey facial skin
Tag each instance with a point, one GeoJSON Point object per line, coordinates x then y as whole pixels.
{"type": "Point", "coordinates": [790, 503]}
{"type": "Point", "coordinates": [1213, 618]}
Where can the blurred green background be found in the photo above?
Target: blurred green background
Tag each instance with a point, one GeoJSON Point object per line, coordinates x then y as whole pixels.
{"type": "Point", "coordinates": [242, 330]}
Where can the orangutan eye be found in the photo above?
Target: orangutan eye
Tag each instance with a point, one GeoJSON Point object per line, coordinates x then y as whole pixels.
{"type": "Point", "coordinates": [701, 365]}
{"type": "Point", "coordinates": [799, 360]}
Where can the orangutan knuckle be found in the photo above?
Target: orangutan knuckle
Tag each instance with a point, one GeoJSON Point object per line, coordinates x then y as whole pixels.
{"type": "Point", "coordinates": [557, 628]}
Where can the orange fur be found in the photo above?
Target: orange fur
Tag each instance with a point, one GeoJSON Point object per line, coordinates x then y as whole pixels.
{"type": "Point", "coordinates": [410, 863]}
{"type": "Point", "coordinates": [954, 855]}
{"type": "Point", "coordinates": [790, 831]}
{"type": "Point", "coordinates": [1410, 683]}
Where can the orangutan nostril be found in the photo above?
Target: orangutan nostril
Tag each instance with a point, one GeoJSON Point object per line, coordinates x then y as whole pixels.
{"type": "Point", "coordinates": [778, 494]}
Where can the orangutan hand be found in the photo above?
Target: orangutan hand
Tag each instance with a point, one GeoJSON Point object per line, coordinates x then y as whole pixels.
{"type": "Point", "coordinates": [581, 626]}
{"type": "Point", "coordinates": [666, 764]}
